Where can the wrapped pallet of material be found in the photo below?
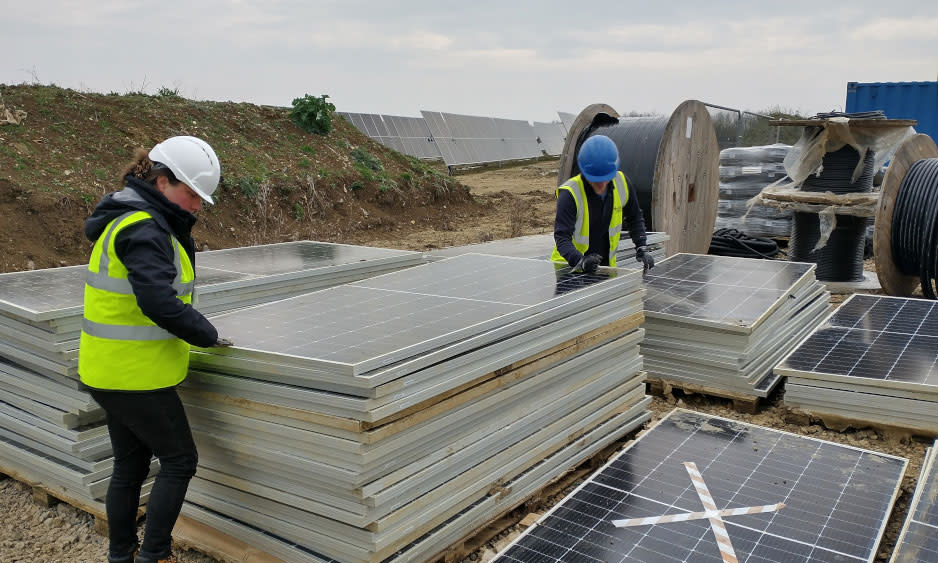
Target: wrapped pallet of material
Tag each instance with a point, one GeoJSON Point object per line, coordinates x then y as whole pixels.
{"type": "Point", "coordinates": [744, 171]}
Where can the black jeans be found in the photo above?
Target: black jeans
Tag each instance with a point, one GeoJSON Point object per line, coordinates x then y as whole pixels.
{"type": "Point", "coordinates": [141, 425]}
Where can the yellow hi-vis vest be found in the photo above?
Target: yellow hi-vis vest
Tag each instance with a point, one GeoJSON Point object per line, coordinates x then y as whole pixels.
{"type": "Point", "coordinates": [581, 231]}
{"type": "Point", "coordinates": [120, 347]}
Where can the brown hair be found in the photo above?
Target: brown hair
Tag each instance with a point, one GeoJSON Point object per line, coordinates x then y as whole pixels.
{"type": "Point", "coordinates": [145, 169]}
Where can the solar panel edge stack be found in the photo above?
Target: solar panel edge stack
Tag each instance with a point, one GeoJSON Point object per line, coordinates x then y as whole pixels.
{"type": "Point", "coordinates": [719, 324]}
{"type": "Point", "coordinates": [53, 433]}
{"type": "Point", "coordinates": [668, 496]}
{"type": "Point", "coordinates": [501, 413]}
{"type": "Point", "coordinates": [871, 362]}
{"type": "Point", "coordinates": [917, 542]}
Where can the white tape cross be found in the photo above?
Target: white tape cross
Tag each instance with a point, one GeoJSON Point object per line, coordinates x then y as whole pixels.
{"type": "Point", "coordinates": [710, 512]}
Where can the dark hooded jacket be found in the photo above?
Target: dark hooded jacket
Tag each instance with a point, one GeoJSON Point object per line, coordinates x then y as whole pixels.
{"type": "Point", "coordinates": [147, 253]}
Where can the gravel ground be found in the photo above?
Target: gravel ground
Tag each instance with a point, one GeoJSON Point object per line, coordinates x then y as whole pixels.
{"type": "Point", "coordinates": [32, 533]}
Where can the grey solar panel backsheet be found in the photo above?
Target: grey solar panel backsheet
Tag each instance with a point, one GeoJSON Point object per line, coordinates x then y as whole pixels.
{"type": "Point", "coordinates": [918, 542]}
{"type": "Point", "coordinates": [567, 120]}
{"type": "Point", "coordinates": [468, 139]}
{"type": "Point", "coordinates": [551, 137]}
{"type": "Point", "coordinates": [408, 135]}
{"type": "Point", "coordinates": [702, 488]}
{"type": "Point", "coordinates": [723, 323]}
{"type": "Point", "coordinates": [359, 479]}
{"type": "Point", "coordinates": [49, 424]}
{"type": "Point", "coordinates": [875, 359]}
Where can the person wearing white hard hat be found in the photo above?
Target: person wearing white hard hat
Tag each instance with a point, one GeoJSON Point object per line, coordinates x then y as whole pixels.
{"type": "Point", "coordinates": [137, 328]}
{"type": "Point", "coordinates": [593, 207]}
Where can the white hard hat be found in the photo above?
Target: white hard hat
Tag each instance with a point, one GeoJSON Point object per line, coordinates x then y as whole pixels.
{"type": "Point", "coordinates": [192, 161]}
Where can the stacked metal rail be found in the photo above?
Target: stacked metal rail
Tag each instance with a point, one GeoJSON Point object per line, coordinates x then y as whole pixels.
{"type": "Point", "coordinates": [52, 432]}
{"type": "Point", "coordinates": [722, 323]}
{"type": "Point", "coordinates": [874, 361]}
{"type": "Point", "coordinates": [541, 246]}
{"type": "Point", "coordinates": [394, 416]}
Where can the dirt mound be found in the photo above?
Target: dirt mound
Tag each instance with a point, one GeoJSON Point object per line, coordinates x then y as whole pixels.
{"type": "Point", "coordinates": [279, 183]}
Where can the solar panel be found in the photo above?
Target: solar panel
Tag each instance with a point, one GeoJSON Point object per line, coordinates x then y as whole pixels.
{"type": "Point", "coordinates": [358, 327]}
{"type": "Point", "coordinates": [879, 340]}
{"type": "Point", "coordinates": [918, 542]}
{"type": "Point", "coordinates": [732, 293]}
{"type": "Point", "coordinates": [41, 295]}
{"type": "Point", "coordinates": [702, 488]}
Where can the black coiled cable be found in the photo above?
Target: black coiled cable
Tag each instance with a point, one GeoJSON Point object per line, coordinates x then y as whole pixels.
{"type": "Point", "coordinates": [731, 242]}
{"type": "Point", "coordinates": [837, 170]}
{"type": "Point", "coordinates": [914, 221]}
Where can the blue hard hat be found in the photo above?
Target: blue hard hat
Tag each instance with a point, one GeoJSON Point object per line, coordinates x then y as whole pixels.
{"type": "Point", "coordinates": [598, 159]}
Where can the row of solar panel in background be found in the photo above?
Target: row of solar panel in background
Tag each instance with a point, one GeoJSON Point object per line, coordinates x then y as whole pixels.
{"type": "Point", "coordinates": [461, 139]}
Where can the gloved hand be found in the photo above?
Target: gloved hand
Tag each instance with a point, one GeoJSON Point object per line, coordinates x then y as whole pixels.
{"type": "Point", "coordinates": [224, 342]}
{"type": "Point", "coordinates": [589, 263]}
{"type": "Point", "coordinates": [642, 255]}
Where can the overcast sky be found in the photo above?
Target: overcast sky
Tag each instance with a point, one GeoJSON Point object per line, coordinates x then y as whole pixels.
{"type": "Point", "coordinates": [520, 60]}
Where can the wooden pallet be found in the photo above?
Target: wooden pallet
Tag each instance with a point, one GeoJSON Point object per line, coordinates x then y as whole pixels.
{"type": "Point", "coordinates": [47, 496]}
{"type": "Point", "coordinates": [189, 534]}
{"type": "Point", "coordinates": [742, 403]}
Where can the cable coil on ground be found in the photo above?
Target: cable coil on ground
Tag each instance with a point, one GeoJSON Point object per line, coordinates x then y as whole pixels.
{"type": "Point", "coordinates": [731, 242]}
{"type": "Point", "coordinates": [914, 222]}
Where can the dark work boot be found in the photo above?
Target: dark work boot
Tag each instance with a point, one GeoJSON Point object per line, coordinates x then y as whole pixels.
{"type": "Point", "coordinates": [168, 559]}
{"type": "Point", "coordinates": [126, 558]}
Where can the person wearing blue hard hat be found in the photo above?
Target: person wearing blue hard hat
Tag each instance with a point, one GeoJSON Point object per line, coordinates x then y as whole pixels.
{"type": "Point", "coordinates": [592, 208]}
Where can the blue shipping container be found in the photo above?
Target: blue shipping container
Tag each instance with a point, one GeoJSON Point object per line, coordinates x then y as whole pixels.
{"type": "Point", "coordinates": [898, 100]}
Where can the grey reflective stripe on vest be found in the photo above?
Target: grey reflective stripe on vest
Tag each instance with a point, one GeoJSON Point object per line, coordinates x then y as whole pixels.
{"type": "Point", "coordinates": [581, 212]}
{"type": "Point", "coordinates": [101, 280]}
{"type": "Point", "coordinates": [121, 332]}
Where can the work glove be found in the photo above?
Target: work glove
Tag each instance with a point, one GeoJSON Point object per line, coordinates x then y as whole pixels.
{"type": "Point", "coordinates": [224, 342]}
{"type": "Point", "coordinates": [642, 255]}
{"type": "Point", "coordinates": [589, 263]}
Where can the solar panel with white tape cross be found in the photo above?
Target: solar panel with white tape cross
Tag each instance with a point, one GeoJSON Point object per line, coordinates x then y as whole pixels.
{"type": "Point", "coordinates": [875, 359]}
{"type": "Point", "coordinates": [918, 541]}
{"type": "Point", "coordinates": [721, 323]}
{"type": "Point", "coordinates": [702, 488]}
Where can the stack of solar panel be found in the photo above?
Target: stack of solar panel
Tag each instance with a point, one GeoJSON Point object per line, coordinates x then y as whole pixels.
{"type": "Point", "coordinates": [873, 362]}
{"type": "Point", "coordinates": [54, 433]}
{"type": "Point", "coordinates": [918, 542]}
{"type": "Point", "coordinates": [541, 246]}
{"type": "Point", "coordinates": [722, 323]}
{"type": "Point", "coordinates": [394, 416]}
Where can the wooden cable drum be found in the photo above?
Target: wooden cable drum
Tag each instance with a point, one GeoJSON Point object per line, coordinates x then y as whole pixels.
{"type": "Point", "coordinates": [672, 164]}
{"type": "Point", "coordinates": [892, 279]}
